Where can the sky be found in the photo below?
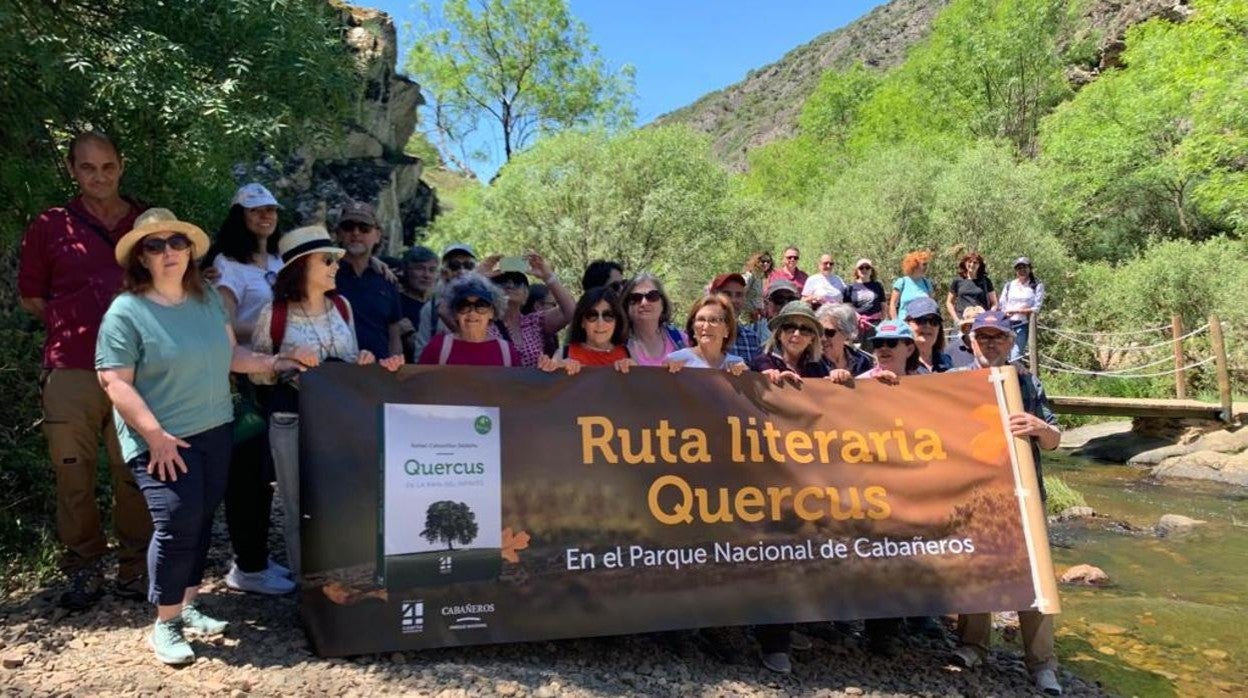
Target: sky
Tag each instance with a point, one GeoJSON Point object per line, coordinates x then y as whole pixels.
{"type": "Point", "coordinates": [681, 49]}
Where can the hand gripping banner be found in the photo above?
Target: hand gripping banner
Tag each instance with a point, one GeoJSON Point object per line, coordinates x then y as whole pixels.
{"type": "Point", "coordinates": [459, 506]}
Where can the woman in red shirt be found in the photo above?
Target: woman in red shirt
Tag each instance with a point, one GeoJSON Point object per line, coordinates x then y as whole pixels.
{"type": "Point", "coordinates": [598, 337]}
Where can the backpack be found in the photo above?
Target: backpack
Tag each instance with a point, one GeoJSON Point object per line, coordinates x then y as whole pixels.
{"type": "Point", "coordinates": [277, 326]}
{"type": "Point", "coordinates": [448, 341]}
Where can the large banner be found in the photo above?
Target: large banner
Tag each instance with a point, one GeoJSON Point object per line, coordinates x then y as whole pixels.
{"type": "Point", "coordinates": [460, 506]}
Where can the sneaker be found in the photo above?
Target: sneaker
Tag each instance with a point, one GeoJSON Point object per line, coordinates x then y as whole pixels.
{"type": "Point", "coordinates": [967, 657]}
{"type": "Point", "coordinates": [168, 642]}
{"type": "Point", "coordinates": [262, 582]}
{"type": "Point", "coordinates": [799, 642]}
{"type": "Point", "coordinates": [279, 569]}
{"type": "Point", "coordinates": [86, 586]}
{"type": "Point", "coordinates": [133, 589]}
{"type": "Point", "coordinates": [1046, 681]}
{"type": "Point", "coordinates": [778, 662]}
{"type": "Point", "coordinates": [194, 620]}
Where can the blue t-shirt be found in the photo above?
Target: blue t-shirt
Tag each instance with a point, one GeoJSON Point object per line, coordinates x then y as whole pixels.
{"type": "Point", "coordinates": [181, 360]}
{"type": "Point", "coordinates": [375, 305]}
{"type": "Point", "coordinates": [910, 289]}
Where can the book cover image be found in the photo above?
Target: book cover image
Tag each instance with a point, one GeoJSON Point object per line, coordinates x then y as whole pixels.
{"type": "Point", "coordinates": [441, 509]}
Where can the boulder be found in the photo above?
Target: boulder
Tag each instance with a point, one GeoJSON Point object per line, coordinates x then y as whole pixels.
{"type": "Point", "coordinates": [1174, 524]}
{"type": "Point", "coordinates": [1228, 468]}
{"type": "Point", "coordinates": [1070, 513]}
{"type": "Point", "coordinates": [1084, 574]}
{"type": "Point", "coordinates": [1220, 441]}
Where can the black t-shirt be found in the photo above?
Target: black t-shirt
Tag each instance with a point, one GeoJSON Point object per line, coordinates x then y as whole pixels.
{"type": "Point", "coordinates": [969, 292]}
{"type": "Point", "coordinates": [867, 299]}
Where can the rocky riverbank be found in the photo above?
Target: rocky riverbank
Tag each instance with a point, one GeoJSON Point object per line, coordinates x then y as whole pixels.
{"type": "Point", "coordinates": [1171, 451]}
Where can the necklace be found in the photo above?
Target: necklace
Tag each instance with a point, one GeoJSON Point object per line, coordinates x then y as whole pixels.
{"type": "Point", "coordinates": [326, 350]}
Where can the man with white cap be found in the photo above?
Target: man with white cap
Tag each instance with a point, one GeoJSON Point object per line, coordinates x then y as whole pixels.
{"type": "Point", "coordinates": [67, 277]}
{"type": "Point", "coordinates": [991, 339]}
{"type": "Point", "coordinates": [374, 297]}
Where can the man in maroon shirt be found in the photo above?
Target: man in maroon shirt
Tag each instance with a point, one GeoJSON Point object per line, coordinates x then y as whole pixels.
{"type": "Point", "coordinates": [68, 276]}
{"type": "Point", "coordinates": [789, 271]}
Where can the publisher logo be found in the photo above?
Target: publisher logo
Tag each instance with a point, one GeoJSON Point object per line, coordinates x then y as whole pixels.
{"type": "Point", "coordinates": [412, 617]}
{"type": "Point", "coordinates": [444, 564]}
{"type": "Point", "coordinates": [483, 425]}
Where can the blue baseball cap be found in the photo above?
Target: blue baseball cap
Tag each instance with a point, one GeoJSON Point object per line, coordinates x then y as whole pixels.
{"type": "Point", "coordinates": [892, 329]}
{"type": "Point", "coordinates": [992, 320]}
{"type": "Point", "coordinates": [922, 307]}
{"type": "Point", "coordinates": [254, 195]}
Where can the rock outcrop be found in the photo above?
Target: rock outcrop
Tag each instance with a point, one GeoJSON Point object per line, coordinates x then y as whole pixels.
{"type": "Point", "coordinates": [368, 162]}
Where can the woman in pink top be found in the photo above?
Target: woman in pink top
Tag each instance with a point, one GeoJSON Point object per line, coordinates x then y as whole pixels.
{"type": "Point", "coordinates": [475, 302]}
{"type": "Point", "coordinates": [651, 336]}
{"type": "Point", "coordinates": [528, 332]}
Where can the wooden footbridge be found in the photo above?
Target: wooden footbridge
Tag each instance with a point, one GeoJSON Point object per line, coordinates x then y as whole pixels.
{"type": "Point", "coordinates": [1131, 359]}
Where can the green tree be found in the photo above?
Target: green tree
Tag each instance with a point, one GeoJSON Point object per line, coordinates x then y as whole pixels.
{"type": "Point", "coordinates": [525, 67]}
{"type": "Point", "coordinates": [451, 523]}
{"type": "Point", "coordinates": [653, 199]}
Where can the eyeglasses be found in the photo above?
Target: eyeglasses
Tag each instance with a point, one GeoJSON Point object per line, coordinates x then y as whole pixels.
{"type": "Point", "coordinates": [891, 342]}
{"type": "Point", "coordinates": [652, 296]}
{"type": "Point", "coordinates": [479, 306]}
{"type": "Point", "coordinates": [603, 315]}
{"type": "Point", "coordinates": [781, 299]}
{"type": "Point", "coordinates": [176, 242]}
{"type": "Point", "coordinates": [354, 227]}
{"type": "Point", "coordinates": [804, 330]}
{"type": "Point", "coordinates": [460, 264]}
{"type": "Point", "coordinates": [711, 321]}
{"type": "Point", "coordinates": [928, 320]}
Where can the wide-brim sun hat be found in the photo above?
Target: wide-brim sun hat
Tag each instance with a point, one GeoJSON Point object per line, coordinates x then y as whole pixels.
{"type": "Point", "coordinates": [968, 316]}
{"type": "Point", "coordinates": [892, 329]}
{"type": "Point", "coordinates": [795, 310]}
{"type": "Point", "coordinates": [305, 241]}
{"type": "Point", "coordinates": [160, 220]}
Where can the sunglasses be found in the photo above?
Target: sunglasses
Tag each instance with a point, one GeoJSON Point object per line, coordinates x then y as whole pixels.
{"type": "Point", "coordinates": [354, 227]}
{"type": "Point", "coordinates": [596, 315]}
{"type": "Point", "coordinates": [328, 259]}
{"type": "Point", "coordinates": [792, 256]}
{"type": "Point", "coordinates": [460, 264]}
{"type": "Point", "coordinates": [891, 342]}
{"type": "Point", "coordinates": [804, 330]}
{"type": "Point", "coordinates": [479, 306]}
{"type": "Point", "coordinates": [782, 299]}
{"type": "Point", "coordinates": [652, 296]}
{"type": "Point", "coordinates": [865, 267]}
{"type": "Point", "coordinates": [829, 332]}
{"type": "Point", "coordinates": [928, 320]}
{"type": "Point", "coordinates": [510, 283]}
{"type": "Point", "coordinates": [176, 242]}
{"type": "Point", "coordinates": [765, 260]}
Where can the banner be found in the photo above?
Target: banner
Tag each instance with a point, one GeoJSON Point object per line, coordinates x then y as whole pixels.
{"type": "Point", "coordinates": [457, 506]}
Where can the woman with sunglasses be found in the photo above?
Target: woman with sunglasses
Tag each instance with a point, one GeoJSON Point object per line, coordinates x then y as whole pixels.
{"type": "Point", "coordinates": [475, 303]}
{"type": "Point", "coordinates": [756, 270]}
{"type": "Point", "coordinates": [651, 335]}
{"type": "Point", "coordinates": [913, 284]}
{"type": "Point", "coordinates": [840, 329]}
{"type": "Point", "coordinates": [164, 354]}
{"type": "Point", "coordinates": [244, 257]}
{"type": "Point", "coordinates": [923, 317]}
{"type": "Point", "coordinates": [793, 351]}
{"type": "Point", "coordinates": [597, 337]}
{"type": "Point", "coordinates": [309, 319]}
{"type": "Point", "coordinates": [1021, 298]}
{"type": "Point", "coordinates": [895, 353]}
{"type": "Point", "coordinates": [712, 326]}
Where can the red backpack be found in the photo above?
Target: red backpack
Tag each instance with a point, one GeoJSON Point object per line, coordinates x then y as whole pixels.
{"type": "Point", "coordinates": [277, 326]}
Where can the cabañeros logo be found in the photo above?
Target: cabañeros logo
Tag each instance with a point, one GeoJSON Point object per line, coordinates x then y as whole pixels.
{"type": "Point", "coordinates": [467, 616]}
{"type": "Point", "coordinates": [415, 467]}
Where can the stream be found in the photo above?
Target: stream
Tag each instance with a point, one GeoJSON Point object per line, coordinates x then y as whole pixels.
{"type": "Point", "coordinates": [1174, 620]}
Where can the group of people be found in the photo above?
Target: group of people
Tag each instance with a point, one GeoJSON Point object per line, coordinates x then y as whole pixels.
{"type": "Point", "coordinates": [189, 340]}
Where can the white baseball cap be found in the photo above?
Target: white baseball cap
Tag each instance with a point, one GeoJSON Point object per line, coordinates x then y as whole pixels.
{"type": "Point", "coordinates": [254, 195]}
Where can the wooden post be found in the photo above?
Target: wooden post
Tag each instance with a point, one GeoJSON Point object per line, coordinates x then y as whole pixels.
{"type": "Point", "coordinates": [1180, 378]}
{"type": "Point", "coordinates": [1033, 354]}
{"type": "Point", "coordinates": [1219, 359]}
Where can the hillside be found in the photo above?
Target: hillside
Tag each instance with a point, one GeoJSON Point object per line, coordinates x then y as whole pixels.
{"type": "Point", "coordinates": [764, 106]}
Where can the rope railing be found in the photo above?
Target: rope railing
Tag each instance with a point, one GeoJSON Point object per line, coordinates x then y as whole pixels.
{"type": "Point", "coordinates": [1166, 343]}
{"type": "Point", "coordinates": [1094, 333]}
{"type": "Point", "coordinates": [1049, 363]}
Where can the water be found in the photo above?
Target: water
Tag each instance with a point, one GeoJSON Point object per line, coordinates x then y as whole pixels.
{"type": "Point", "coordinates": [1175, 620]}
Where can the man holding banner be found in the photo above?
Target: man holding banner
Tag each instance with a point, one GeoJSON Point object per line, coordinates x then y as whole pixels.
{"type": "Point", "coordinates": [991, 339]}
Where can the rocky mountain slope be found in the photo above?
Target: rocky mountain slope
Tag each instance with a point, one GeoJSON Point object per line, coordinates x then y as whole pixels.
{"type": "Point", "coordinates": [764, 106]}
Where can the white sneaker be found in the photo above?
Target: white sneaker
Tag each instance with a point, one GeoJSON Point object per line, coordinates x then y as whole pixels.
{"type": "Point", "coordinates": [262, 582]}
{"type": "Point", "coordinates": [279, 569]}
{"type": "Point", "coordinates": [1046, 681]}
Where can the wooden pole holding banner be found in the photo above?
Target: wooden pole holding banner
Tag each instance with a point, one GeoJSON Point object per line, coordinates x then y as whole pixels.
{"type": "Point", "coordinates": [1035, 529]}
{"type": "Point", "coordinates": [1033, 357]}
{"type": "Point", "coordinates": [1180, 378]}
{"type": "Point", "coordinates": [1219, 361]}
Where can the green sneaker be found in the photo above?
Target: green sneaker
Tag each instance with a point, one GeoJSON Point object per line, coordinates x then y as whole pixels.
{"type": "Point", "coordinates": [169, 644]}
{"type": "Point", "coordinates": [196, 621]}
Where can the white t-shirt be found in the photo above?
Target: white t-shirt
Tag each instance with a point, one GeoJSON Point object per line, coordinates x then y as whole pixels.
{"type": "Point", "coordinates": [252, 286]}
{"type": "Point", "coordinates": [824, 289]}
{"type": "Point", "coordinates": [1016, 296]}
{"type": "Point", "coordinates": [688, 358]}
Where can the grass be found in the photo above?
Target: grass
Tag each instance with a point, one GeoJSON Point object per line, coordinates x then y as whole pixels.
{"type": "Point", "coordinates": [1061, 495]}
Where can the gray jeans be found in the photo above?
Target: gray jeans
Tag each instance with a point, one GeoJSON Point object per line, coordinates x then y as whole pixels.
{"type": "Point", "coordinates": [284, 442]}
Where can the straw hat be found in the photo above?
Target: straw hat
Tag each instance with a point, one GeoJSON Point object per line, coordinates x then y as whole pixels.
{"type": "Point", "coordinates": [305, 241]}
{"type": "Point", "coordinates": [160, 220]}
{"type": "Point", "coordinates": [968, 316]}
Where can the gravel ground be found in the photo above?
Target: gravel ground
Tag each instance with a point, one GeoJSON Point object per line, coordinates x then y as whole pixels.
{"type": "Point", "coordinates": [102, 652]}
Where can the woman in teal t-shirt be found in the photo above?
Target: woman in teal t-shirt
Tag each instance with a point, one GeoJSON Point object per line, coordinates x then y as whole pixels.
{"type": "Point", "coordinates": [163, 355]}
{"type": "Point", "coordinates": [914, 284]}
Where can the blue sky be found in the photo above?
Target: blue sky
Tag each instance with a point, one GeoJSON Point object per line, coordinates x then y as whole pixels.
{"type": "Point", "coordinates": [683, 49]}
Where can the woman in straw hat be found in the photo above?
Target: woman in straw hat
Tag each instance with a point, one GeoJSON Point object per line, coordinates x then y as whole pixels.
{"type": "Point", "coordinates": [309, 317]}
{"type": "Point", "coordinates": [164, 354]}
